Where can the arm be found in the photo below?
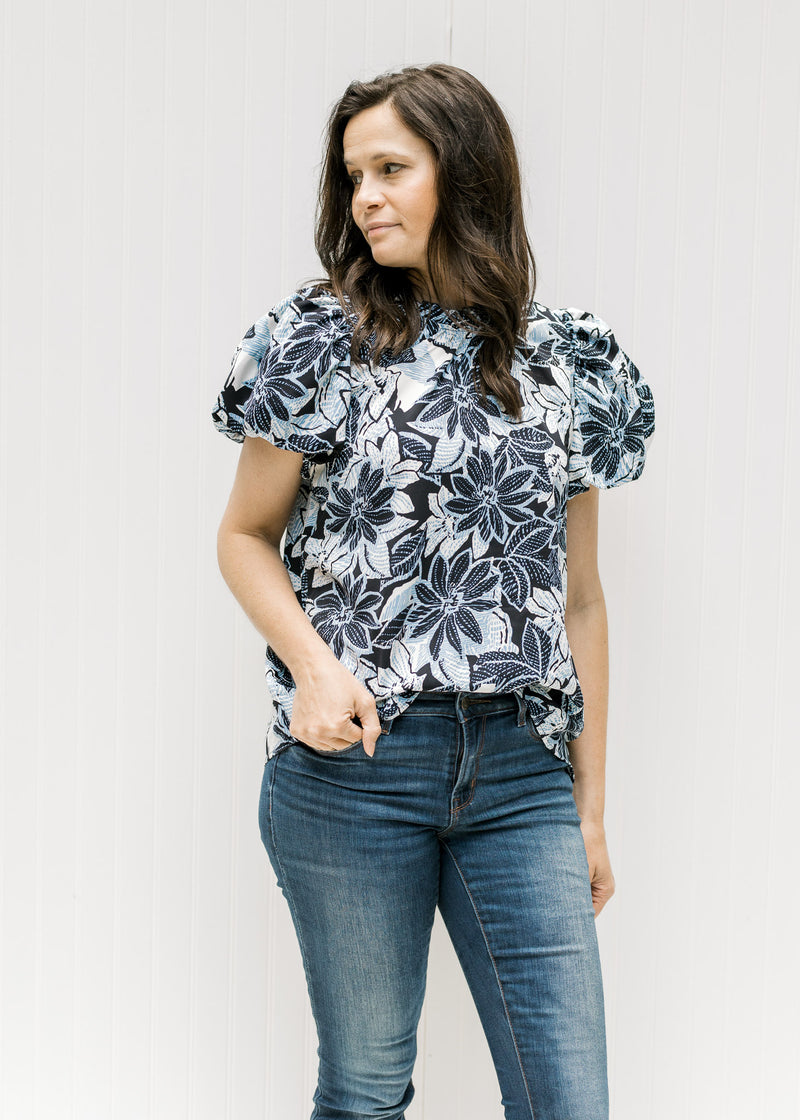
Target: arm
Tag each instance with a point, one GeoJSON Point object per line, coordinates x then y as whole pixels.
{"type": "Point", "coordinates": [248, 550]}
{"type": "Point", "coordinates": [587, 633]}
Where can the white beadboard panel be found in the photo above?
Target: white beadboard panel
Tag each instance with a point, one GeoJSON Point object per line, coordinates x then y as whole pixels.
{"type": "Point", "coordinates": [97, 475]}
{"type": "Point", "coordinates": [159, 172]}
{"type": "Point", "coordinates": [57, 410]}
{"type": "Point", "coordinates": [25, 768]}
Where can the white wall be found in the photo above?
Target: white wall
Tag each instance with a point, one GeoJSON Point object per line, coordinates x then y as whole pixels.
{"type": "Point", "coordinates": [159, 163]}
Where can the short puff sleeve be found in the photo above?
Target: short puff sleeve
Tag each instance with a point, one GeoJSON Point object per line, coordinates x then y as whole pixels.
{"type": "Point", "coordinates": [289, 380]}
{"type": "Point", "coordinates": [613, 412]}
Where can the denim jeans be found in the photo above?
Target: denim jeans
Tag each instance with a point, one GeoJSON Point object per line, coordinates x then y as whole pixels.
{"type": "Point", "coordinates": [464, 808]}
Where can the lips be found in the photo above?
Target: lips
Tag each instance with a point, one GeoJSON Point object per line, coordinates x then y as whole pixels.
{"type": "Point", "coordinates": [381, 228]}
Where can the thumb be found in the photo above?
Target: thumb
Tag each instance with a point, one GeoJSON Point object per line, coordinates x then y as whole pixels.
{"type": "Point", "coordinates": [367, 714]}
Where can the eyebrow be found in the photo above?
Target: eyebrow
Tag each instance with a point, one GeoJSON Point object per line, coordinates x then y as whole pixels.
{"type": "Point", "coordinates": [377, 156]}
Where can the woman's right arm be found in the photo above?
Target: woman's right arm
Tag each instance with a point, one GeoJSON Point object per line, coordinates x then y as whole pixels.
{"type": "Point", "coordinates": [328, 696]}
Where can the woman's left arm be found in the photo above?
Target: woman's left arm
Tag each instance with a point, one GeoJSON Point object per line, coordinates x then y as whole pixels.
{"type": "Point", "coordinates": [587, 633]}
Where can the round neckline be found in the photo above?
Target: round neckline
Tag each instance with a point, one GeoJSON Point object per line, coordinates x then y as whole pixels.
{"type": "Point", "coordinates": [435, 317]}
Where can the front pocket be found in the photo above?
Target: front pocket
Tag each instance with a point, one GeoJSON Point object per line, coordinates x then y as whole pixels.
{"type": "Point", "coordinates": [331, 754]}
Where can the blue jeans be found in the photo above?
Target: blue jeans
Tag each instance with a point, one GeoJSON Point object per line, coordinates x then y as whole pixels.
{"type": "Point", "coordinates": [463, 808]}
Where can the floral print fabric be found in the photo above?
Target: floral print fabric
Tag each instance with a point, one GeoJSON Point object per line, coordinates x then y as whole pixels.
{"type": "Point", "coordinates": [427, 543]}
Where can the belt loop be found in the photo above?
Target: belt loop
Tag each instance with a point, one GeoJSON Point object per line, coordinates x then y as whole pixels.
{"type": "Point", "coordinates": [522, 709]}
{"type": "Point", "coordinates": [461, 707]}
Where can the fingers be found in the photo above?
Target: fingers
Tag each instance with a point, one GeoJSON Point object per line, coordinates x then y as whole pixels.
{"type": "Point", "coordinates": [356, 719]}
{"type": "Point", "coordinates": [368, 732]}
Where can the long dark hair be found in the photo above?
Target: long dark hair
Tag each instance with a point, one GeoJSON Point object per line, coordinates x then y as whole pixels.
{"type": "Point", "coordinates": [477, 241]}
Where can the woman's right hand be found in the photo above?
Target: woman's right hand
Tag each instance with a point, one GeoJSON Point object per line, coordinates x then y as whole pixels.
{"type": "Point", "coordinates": [327, 700]}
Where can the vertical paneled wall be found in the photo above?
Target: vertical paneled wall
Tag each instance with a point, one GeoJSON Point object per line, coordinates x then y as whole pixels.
{"type": "Point", "coordinates": [159, 165]}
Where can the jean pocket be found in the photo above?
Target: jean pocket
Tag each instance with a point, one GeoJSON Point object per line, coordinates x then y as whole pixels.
{"type": "Point", "coordinates": [331, 754]}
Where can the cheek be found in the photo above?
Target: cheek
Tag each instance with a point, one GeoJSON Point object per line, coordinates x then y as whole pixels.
{"type": "Point", "coordinates": [430, 201]}
{"type": "Point", "coordinates": [424, 205]}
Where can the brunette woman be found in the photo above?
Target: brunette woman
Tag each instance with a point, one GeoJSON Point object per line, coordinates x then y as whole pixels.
{"type": "Point", "coordinates": [431, 441]}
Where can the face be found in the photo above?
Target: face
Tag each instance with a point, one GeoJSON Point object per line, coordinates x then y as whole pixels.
{"type": "Point", "coordinates": [394, 193]}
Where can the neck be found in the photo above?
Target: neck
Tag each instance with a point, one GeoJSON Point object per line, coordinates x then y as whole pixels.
{"type": "Point", "coordinates": [452, 296]}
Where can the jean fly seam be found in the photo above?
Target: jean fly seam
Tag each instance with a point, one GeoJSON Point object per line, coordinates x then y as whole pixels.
{"type": "Point", "coordinates": [474, 781]}
{"type": "Point", "coordinates": [497, 977]}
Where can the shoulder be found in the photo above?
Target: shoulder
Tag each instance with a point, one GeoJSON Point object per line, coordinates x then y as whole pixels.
{"type": "Point", "coordinates": [311, 307]}
{"type": "Point", "coordinates": [613, 410]}
{"type": "Point", "coordinates": [567, 329]}
{"type": "Point", "coordinates": [309, 310]}
{"type": "Point", "coordinates": [584, 344]}
{"type": "Point", "coordinates": [301, 342]}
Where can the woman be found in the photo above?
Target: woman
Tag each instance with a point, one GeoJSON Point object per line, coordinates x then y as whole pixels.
{"type": "Point", "coordinates": [416, 423]}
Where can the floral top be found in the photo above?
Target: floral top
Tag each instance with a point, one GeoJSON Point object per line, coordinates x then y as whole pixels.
{"type": "Point", "coordinates": [427, 543]}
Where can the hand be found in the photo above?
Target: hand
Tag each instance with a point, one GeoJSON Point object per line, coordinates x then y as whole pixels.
{"type": "Point", "coordinates": [327, 703]}
{"type": "Point", "coordinates": [600, 874]}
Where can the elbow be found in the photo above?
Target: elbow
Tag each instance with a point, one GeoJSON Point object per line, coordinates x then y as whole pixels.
{"type": "Point", "coordinates": [232, 538]}
{"type": "Point", "coordinates": [224, 542]}
{"type": "Point", "coordinates": [586, 599]}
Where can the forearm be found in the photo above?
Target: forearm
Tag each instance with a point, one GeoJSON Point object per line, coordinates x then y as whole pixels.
{"type": "Point", "coordinates": [255, 573]}
{"type": "Point", "coordinates": [587, 632]}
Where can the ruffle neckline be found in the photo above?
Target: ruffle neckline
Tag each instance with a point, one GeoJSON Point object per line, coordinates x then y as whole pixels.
{"type": "Point", "coordinates": [433, 316]}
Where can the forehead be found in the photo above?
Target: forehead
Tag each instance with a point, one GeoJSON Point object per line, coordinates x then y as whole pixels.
{"type": "Point", "coordinates": [377, 132]}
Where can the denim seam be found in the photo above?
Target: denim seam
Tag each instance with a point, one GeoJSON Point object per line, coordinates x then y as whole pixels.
{"type": "Point", "coordinates": [289, 897]}
{"type": "Point", "coordinates": [497, 976]}
{"type": "Point", "coordinates": [278, 750]}
{"type": "Point", "coordinates": [474, 781]}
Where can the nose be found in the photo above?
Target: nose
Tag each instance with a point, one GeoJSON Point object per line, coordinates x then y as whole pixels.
{"type": "Point", "coordinates": [370, 192]}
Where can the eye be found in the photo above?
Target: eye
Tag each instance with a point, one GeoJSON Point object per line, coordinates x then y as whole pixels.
{"type": "Point", "coordinates": [389, 169]}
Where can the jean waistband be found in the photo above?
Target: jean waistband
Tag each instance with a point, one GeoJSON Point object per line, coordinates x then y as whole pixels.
{"type": "Point", "coordinates": [467, 701]}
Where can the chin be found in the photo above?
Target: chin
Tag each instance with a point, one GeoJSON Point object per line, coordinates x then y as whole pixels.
{"type": "Point", "coordinates": [388, 260]}
{"type": "Point", "coordinates": [393, 260]}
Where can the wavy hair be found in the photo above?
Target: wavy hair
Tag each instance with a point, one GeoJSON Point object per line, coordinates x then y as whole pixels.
{"type": "Point", "coordinates": [477, 241]}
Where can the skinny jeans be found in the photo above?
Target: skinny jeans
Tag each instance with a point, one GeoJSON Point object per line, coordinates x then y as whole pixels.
{"type": "Point", "coordinates": [462, 807]}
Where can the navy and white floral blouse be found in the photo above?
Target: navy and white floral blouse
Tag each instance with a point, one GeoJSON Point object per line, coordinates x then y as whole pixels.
{"type": "Point", "coordinates": [427, 543]}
